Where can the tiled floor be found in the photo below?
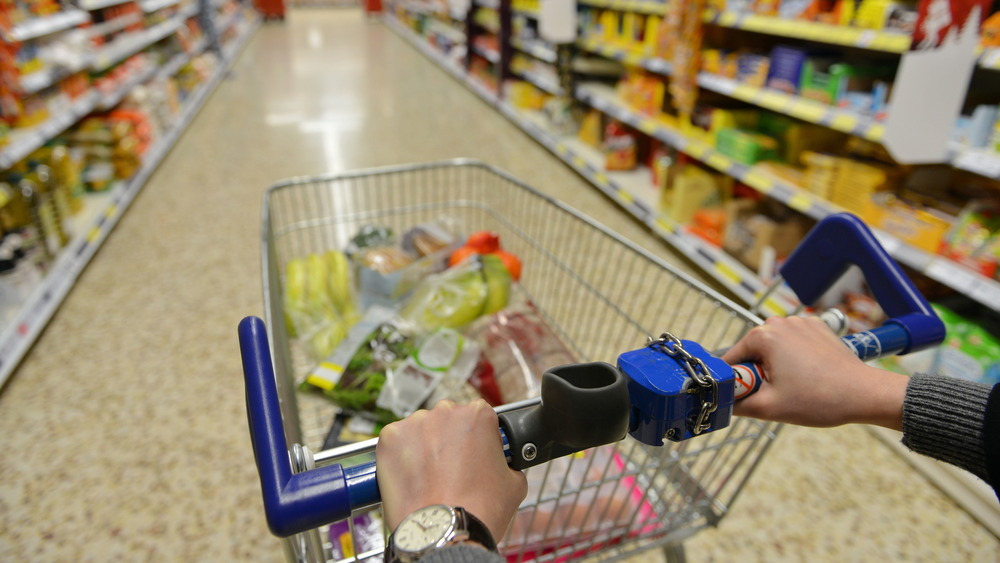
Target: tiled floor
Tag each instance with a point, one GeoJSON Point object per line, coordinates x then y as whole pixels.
{"type": "Point", "coordinates": [124, 433]}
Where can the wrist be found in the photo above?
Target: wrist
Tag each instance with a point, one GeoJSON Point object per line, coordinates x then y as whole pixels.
{"type": "Point", "coordinates": [435, 527]}
{"type": "Point", "coordinates": [882, 401]}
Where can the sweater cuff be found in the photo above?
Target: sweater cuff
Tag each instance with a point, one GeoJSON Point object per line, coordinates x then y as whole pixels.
{"type": "Point", "coordinates": [943, 418]}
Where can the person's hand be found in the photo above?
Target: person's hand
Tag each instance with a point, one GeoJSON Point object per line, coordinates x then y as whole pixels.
{"type": "Point", "coordinates": [451, 454]}
{"type": "Point", "coordinates": [813, 379]}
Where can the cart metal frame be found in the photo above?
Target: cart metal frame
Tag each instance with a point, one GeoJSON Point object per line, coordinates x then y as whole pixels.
{"type": "Point", "coordinates": [601, 293]}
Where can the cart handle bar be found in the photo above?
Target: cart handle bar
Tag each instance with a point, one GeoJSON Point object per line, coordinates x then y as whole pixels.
{"type": "Point", "coordinates": [295, 502]}
{"type": "Point", "coordinates": [842, 240]}
{"type": "Point", "coordinates": [292, 502]}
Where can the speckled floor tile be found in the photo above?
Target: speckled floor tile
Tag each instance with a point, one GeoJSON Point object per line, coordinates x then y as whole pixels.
{"type": "Point", "coordinates": [124, 430]}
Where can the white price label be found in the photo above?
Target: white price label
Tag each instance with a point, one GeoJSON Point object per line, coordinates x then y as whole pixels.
{"type": "Point", "coordinates": [986, 164]}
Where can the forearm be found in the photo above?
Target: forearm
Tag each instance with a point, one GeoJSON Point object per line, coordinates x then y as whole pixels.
{"type": "Point", "coordinates": [943, 417]}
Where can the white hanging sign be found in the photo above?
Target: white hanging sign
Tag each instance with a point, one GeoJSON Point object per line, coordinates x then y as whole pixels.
{"type": "Point", "coordinates": [557, 21]}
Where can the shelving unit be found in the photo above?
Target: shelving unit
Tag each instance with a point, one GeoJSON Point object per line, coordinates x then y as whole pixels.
{"type": "Point", "coordinates": [888, 42]}
{"type": "Point", "coordinates": [726, 270]}
{"type": "Point", "coordinates": [633, 191]}
{"type": "Point", "coordinates": [40, 27]}
{"type": "Point", "coordinates": [103, 210]}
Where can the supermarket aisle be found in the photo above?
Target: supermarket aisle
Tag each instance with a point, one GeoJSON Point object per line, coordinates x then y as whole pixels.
{"type": "Point", "coordinates": [124, 429]}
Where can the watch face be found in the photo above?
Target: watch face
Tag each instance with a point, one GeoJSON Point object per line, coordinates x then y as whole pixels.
{"type": "Point", "coordinates": [425, 529]}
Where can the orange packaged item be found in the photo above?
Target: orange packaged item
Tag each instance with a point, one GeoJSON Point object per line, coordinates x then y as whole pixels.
{"type": "Point", "coordinates": [619, 148]}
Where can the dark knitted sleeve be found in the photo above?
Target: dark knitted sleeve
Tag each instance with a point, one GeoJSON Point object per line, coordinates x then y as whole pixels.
{"type": "Point", "coordinates": [462, 554]}
{"type": "Point", "coordinates": [944, 417]}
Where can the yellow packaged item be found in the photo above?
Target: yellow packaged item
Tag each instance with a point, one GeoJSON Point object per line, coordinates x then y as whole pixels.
{"type": "Point", "coordinates": [609, 25]}
{"type": "Point", "coordinates": [689, 189]}
{"type": "Point", "coordinates": [855, 184]}
{"type": "Point", "coordinates": [922, 228]}
{"type": "Point", "coordinates": [590, 129]}
{"type": "Point", "coordinates": [524, 95]}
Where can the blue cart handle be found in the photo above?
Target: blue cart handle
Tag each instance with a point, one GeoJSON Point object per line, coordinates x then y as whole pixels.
{"type": "Point", "coordinates": [293, 502]}
{"type": "Point", "coordinates": [581, 406]}
{"type": "Point", "coordinates": [842, 240]}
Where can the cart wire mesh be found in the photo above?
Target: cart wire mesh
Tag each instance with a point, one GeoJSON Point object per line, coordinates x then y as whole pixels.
{"type": "Point", "coordinates": [601, 294]}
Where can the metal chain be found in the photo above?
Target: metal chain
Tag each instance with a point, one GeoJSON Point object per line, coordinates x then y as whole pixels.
{"type": "Point", "coordinates": [698, 371]}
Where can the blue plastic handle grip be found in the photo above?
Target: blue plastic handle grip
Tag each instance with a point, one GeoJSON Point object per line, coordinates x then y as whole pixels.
{"type": "Point", "coordinates": [842, 240]}
{"type": "Point", "coordinates": [292, 502]}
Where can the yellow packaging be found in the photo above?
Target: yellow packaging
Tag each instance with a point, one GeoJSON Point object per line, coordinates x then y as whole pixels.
{"type": "Point", "coordinates": [855, 184]}
{"type": "Point", "coordinates": [525, 96]}
{"type": "Point", "coordinates": [630, 23]}
{"type": "Point", "coordinates": [689, 190]}
{"type": "Point", "coordinates": [650, 38]}
{"type": "Point", "coordinates": [609, 25]}
{"type": "Point", "coordinates": [921, 228]}
{"type": "Point", "coordinates": [821, 171]}
{"type": "Point", "coordinates": [590, 129]}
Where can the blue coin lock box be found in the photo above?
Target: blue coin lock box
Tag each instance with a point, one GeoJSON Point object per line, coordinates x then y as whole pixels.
{"type": "Point", "coordinates": [665, 400]}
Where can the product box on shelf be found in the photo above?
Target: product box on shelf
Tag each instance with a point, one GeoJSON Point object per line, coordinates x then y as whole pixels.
{"type": "Point", "coordinates": [760, 234]}
{"type": "Point", "coordinates": [974, 238]}
{"type": "Point", "coordinates": [747, 147]}
{"type": "Point", "coordinates": [688, 188]}
{"type": "Point", "coordinates": [918, 226]}
{"type": "Point", "coordinates": [785, 70]}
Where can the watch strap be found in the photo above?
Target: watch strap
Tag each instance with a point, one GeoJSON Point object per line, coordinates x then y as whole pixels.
{"type": "Point", "coordinates": [478, 532]}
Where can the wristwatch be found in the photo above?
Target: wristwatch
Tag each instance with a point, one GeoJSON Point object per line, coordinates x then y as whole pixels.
{"type": "Point", "coordinates": [433, 527]}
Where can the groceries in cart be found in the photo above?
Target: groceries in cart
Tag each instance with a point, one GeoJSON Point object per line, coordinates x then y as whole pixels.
{"type": "Point", "coordinates": [599, 309]}
{"type": "Point", "coordinates": [396, 323]}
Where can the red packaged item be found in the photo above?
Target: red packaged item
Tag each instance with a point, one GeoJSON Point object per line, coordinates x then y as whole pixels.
{"type": "Point", "coordinates": [518, 346]}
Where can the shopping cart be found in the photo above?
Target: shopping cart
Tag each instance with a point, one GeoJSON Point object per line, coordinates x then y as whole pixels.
{"type": "Point", "coordinates": [600, 293]}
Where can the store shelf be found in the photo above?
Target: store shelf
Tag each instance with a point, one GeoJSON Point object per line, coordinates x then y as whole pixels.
{"type": "Point", "coordinates": [114, 24]}
{"type": "Point", "coordinates": [40, 27]}
{"type": "Point", "coordinates": [127, 46]}
{"type": "Point", "coordinates": [871, 39]}
{"type": "Point", "coordinates": [150, 6]}
{"type": "Point", "coordinates": [990, 58]}
{"type": "Point", "coordinates": [536, 48]}
{"type": "Point", "coordinates": [449, 65]}
{"type": "Point", "coordinates": [626, 56]}
{"type": "Point", "coordinates": [24, 142]}
{"type": "Point", "coordinates": [174, 65]}
{"type": "Point", "coordinates": [91, 5]}
{"type": "Point", "coordinates": [631, 190]}
{"type": "Point", "coordinates": [984, 162]}
{"type": "Point", "coordinates": [805, 109]}
{"type": "Point", "coordinates": [443, 29]}
{"type": "Point", "coordinates": [638, 6]}
{"type": "Point", "coordinates": [102, 213]}
{"type": "Point", "coordinates": [635, 193]}
{"type": "Point", "coordinates": [113, 99]}
{"type": "Point", "coordinates": [225, 22]}
{"type": "Point", "coordinates": [980, 288]}
{"type": "Point", "coordinates": [40, 80]}
{"type": "Point", "coordinates": [414, 7]}
{"type": "Point", "coordinates": [727, 270]}
{"type": "Point", "coordinates": [545, 83]}
{"type": "Point", "coordinates": [489, 54]}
